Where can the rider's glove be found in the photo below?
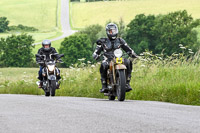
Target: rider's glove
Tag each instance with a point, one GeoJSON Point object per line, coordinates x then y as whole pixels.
{"type": "Point", "coordinates": [132, 54]}
{"type": "Point", "coordinates": [98, 42]}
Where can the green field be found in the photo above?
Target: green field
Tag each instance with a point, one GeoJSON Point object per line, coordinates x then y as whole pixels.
{"type": "Point", "coordinates": [156, 80]}
{"type": "Point", "coordinates": [41, 14]}
{"type": "Point", "coordinates": [84, 14]}
{"type": "Point", "coordinates": [37, 36]}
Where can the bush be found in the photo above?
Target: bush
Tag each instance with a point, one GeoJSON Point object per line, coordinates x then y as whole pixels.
{"type": "Point", "coordinates": [16, 51]}
{"type": "Point", "coordinates": [155, 33]}
{"type": "Point", "coordinates": [3, 24]}
{"type": "Point", "coordinates": [77, 46]}
{"type": "Point", "coordinates": [22, 28]}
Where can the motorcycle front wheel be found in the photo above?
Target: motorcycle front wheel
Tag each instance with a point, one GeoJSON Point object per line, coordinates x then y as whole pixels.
{"type": "Point", "coordinates": [53, 87]}
{"type": "Point", "coordinates": [121, 85]}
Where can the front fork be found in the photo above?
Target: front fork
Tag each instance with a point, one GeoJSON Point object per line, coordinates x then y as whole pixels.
{"type": "Point", "coordinates": [48, 78]}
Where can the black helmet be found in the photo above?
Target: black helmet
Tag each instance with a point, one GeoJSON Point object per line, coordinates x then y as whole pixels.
{"type": "Point", "coordinates": [46, 42]}
{"type": "Point", "coordinates": [112, 30]}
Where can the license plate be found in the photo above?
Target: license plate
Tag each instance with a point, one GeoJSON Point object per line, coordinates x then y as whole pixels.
{"type": "Point", "coordinates": [119, 60]}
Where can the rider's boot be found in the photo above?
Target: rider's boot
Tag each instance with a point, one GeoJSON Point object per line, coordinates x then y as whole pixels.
{"type": "Point", "coordinates": [58, 80]}
{"type": "Point", "coordinates": [104, 88]}
{"type": "Point", "coordinates": [128, 87]}
{"type": "Point", "coordinates": [40, 84]}
{"type": "Point", "coordinates": [58, 85]}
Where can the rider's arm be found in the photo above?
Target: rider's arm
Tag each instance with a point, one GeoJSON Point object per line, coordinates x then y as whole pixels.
{"type": "Point", "coordinates": [55, 52]}
{"type": "Point", "coordinates": [38, 58]}
{"type": "Point", "coordinates": [98, 49]}
{"type": "Point", "coordinates": [127, 49]}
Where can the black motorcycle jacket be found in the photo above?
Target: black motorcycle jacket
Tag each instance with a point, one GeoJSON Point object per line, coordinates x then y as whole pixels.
{"type": "Point", "coordinates": [108, 46]}
{"type": "Point", "coordinates": [41, 51]}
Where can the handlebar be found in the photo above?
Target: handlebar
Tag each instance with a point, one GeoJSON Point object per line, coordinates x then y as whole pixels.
{"type": "Point", "coordinates": [40, 62]}
{"type": "Point", "coordinates": [44, 58]}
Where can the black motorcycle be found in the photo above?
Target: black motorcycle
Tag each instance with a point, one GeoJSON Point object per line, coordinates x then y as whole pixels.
{"type": "Point", "coordinates": [50, 73]}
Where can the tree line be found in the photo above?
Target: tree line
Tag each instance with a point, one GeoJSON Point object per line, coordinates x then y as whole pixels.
{"type": "Point", "coordinates": [155, 33]}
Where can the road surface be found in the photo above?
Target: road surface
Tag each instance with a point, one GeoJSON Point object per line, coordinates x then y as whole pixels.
{"type": "Point", "coordinates": [65, 24]}
{"type": "Point", "coordinates": [40, 114]}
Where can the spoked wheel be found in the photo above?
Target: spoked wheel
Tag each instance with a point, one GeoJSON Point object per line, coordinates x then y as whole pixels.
{"type": "Point", "coordinates": [111, 97]}
{"type": "Point", "coordinates": [53, 87]}
{"type": "Point", "coordinates": [121, 87]}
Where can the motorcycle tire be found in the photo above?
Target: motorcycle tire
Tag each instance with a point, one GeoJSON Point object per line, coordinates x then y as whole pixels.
{"type": "Point", "coordinates": [121, 89]}
{"type": "Point", "coordinates": [53, 88]}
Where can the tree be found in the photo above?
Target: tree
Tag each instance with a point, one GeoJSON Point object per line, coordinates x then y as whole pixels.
{"type": "Point", "coordinates": [76, 47]}
{"type": "Point", "coordinates": [174, 29]}
{"type": "Point", "coordinates": [121, 28]}
{"type": "Point", "coordinates": [155, 33]}
{"type": "Point", "coordinates": [92, 32]}
{"type": "Point", "coordinates": [139, 33]}
{"type": "Point", "coordinates": [3, 24]}
{"type": "Point", "coordinates": [16, 51]}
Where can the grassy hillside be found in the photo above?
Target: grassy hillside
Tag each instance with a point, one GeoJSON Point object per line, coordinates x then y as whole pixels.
{"type": "Point", "coordinates": [41, 14]}
{"type": "Point", "coordinates": [83, 14]}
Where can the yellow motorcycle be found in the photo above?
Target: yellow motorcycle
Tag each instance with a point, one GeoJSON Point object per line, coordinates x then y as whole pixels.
{"type": "Point", "coordinates": [116, 77]}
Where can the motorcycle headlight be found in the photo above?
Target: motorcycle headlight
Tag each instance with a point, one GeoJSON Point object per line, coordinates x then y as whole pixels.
{"type": "Point", "coordinates": [118, 53]}
{"type": "Point", "coordinates": [51, 67]}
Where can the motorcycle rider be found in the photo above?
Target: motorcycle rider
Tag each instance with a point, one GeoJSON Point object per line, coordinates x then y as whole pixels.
{"type": "Point", "coordinates": [45, 50]}
{"type": "Point", "coordinates": [108, 45]}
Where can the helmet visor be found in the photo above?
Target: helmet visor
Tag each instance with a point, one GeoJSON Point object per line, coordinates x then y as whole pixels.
{"type": "Point", "coordinates": [46, 46]}
{"type": "Point", "coordinates": [112, 31]}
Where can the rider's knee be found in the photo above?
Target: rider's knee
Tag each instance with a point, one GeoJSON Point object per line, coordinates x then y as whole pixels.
{"type": "Point", "coordinates": [104, 66]}
{"type": "Point", "coordinates": [127, 62]}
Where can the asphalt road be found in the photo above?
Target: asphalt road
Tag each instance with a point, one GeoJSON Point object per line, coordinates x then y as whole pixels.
{"type": "Point", "coordinates": [65, 24]}
{"type": "Point", "coordinates": [40, 114]}
{"type": "Point", "coordinates": [65, 17]}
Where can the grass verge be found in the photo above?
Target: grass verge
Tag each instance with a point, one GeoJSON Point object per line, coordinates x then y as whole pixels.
{"type": "Point", "coordinates": [174, 82]}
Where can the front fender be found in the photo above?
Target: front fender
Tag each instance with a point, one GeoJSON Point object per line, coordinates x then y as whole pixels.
{"type": "Point", "coordinates": [120, 66]}
{"type": "Point", "coordinates": [52, 77]}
